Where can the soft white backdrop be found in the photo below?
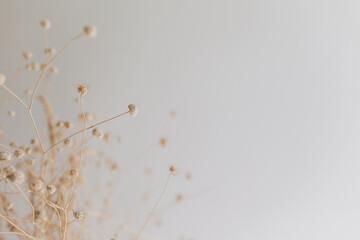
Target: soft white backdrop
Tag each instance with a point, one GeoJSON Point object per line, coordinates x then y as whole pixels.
{"type": "Point", "coordinates": [267, 94]}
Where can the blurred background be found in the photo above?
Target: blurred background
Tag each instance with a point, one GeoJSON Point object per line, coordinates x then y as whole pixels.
{"type": "Point", "coordinates": [266, 95]}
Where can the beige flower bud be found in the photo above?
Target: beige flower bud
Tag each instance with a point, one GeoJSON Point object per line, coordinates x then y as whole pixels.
{"type": "Point", "coordinates": [45, 23]}
{"type": "Point", "coordinates": [133, 110]}
{"type": "Point", "coordinates": [90, 31]}
{"type": "Point", "coordinates": [5, 157]}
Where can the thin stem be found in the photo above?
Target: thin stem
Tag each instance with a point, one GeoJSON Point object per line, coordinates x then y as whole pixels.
{"type": "Point", "coordinates": [16, 96]}
{"type": "Point", "coordinates": [37, 85]}
{"type": "Point", "coordinates": [42, 170]}
{"type": "Point", "coordinates": [80, 160]}
{"type": "Point", "coordinates": [12, 80]}
{"type": "Point", "coordinates": [55, 207]}
{"type": "Point", "coordinates": [37, 131]}
{"type": "Point", "coordinates": [29, 110]}
{"type": "Point", "coordinates": [81, 151]}
{"type": "Point", "coordinates": [26, 199]}
{"type": "Point", "coordinates": [85, 129]}
{"type": "Point", "coordinates": [16, 233]}
{"type": "Point", "coordinates": [153, 210]}
{"type": "Point", "coordinates": [28, 168]}
{"type": "Point", "coordinates": [49, 63]}
{"type": "Point", "coordinates": [26, 234]}
{"type": "Point", "coordinates": [2, 145]}
{"type": "Point", "coordinates": [65, 47]}
{"type": "Point", "coordinates": [46, 44]}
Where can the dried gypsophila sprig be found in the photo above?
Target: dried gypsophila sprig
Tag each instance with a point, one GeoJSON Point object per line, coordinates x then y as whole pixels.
{"type": "Point", "coordinates": [36, 185]}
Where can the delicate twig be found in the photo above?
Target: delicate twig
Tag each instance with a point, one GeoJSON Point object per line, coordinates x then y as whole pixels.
{"type": "Point", "coordinates": [10, 222]}
{"type": "Point", "coordinates": [153, 210]}
{"type": "Point", "coordinates": [30, 113]}
{"type": "Point", "coordinates": [16, 96]}
{"type": "Point", "coordinates": [48, 64]}
{"type": "Point", "coordinates": [85, 129]}
{"type": "Point", "coordinates": [2, 145]}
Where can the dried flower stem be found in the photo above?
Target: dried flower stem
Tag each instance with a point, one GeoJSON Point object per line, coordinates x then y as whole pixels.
{"type": "Point", "coordinates": [46, 43]}
{"type": "Point", "coordinates": [85, 129]}
{"type": "Point", "coordinates": [55, 207]}
{"type": "Point", "coordinates": [12, 80]}
{"type": "Point", "coordinates": [2, 145]}
{"type": "Point", "coordinates": [49, 63]}
{"type": "Point", "coordinates": [16, 233]}
{"type": "Point", "coordinates": [28, 168]}
{"type": "Point", "coordinates": [26, 199]}
{"type": "Point", "coordinates": [10, 222]}
{"type": "Point", "coordinates": [37, 131]}
{"type": "Point", "coordinates": [81, 151]}
{"type": "Point", "coordinates": [30, 113]}
{"type": "Point", "coordinates": [16, 96]}
{"type": "Point", "coordinates": [154, 208]}
{"type": "Point", "coordinates": [79, 163]}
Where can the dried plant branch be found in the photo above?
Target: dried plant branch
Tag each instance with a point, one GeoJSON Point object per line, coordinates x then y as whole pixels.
{"type": "Point", "coordinates": [16, 226]}
{"type": "Point", "coordinates": [48, 64]}
{"type": "Point", "coordinates": [52, 175]}
{"type": "Point", "coordinates": [85, 129]}
{"type": "Point", "coordinates": [16, 96]}
{"type": "Point", "coordinates": [154, 208]}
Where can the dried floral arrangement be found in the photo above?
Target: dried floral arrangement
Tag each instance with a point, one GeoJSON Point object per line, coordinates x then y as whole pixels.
{"type": "Point", "coordinates": [39, 182]}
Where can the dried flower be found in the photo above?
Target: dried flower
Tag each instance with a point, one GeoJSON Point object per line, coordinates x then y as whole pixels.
{"type": "Point", "coordinates": [16, 177]}
{"type": "Point", "coordinates": [28, 150]}
{"type": "Point", "coordinates": [27, 55]}
{"type": "Point", "coordinates": [90, 31]}
{"type": "Point", "coordinates": [133, 110]}
{"type": "Point", "coordinates": [163, 142]}
{"type": "Point", "coordinates": [173, 113]}
{"type": "Point", "coordinates": [68, 124]}
{"type": "Point", "coordinates": [107, 137]}
{"type": "Point", "coordinates": [68, 142]}
{"type": "Point", "coordinates": [179, 197]}
{"type": "Point", "coordinates": [50, 51]}
{"type": "Point", "coordinates": [7, 170]}
{"type": "Point", "coordinates": [82, 89]}
{"type": "Point", "coordinates": [40, 216]}
{"type": "Point", "coordinates": [79, 214]}
{"type": "Point", "coordinates": [35, 66]}
{"type": "Point", "coordinates": [54, 70]}
{"type": "Point", "coordinates": [35, 185]}
{"type": "Point", "coordinates": [11, 113]}
{"type": "Point", "coordinates": [97, 133]}
{"type": "Point", "coordinates": [189, 176]}
{"type": "Point", "coordinates": [74, 172]}
{"type": "Point", "coordinates": [173, 170]}
{"type": "Point", "coordinates": [89, 117]}
{"type": "Point", "coordinates": [43, 66]}
{"type": "Point", "coordinates": [28, 92]}
{"type": "Point", "coordinates": [5, 157]}
{"type": "Point", "coordinates": [51, 189]}
{"type": "Point", "coordinates": [19, 153]}
{"type": "Point", "coordinates": [45, 24]}
{"type": "Point", "coordinates": [60, 124]}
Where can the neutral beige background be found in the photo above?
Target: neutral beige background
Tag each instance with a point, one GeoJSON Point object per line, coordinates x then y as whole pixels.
{"type": "Point", "coordinates": [267, 94]}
